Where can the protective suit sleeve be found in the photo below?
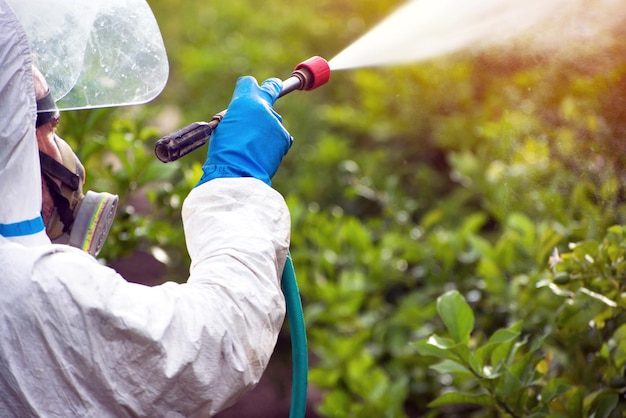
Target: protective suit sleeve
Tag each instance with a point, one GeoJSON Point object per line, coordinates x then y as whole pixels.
{"type": "Point", "coordinates": [109, 348]}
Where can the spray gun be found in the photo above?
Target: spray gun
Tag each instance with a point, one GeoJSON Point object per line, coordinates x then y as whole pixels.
{"type": "Point", "coordinates": [308, 75]}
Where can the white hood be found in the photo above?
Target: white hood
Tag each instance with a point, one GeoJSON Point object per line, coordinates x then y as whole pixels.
{"type": "Point", "coordinates": [20, 175]}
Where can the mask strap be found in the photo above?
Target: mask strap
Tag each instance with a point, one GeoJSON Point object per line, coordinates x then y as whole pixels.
{"type": "Point", "coordinates": [46, 110]}
{"type": "Point", "coordinates": [52, 168]}
{"type": "Point", "coordinates": [61, 204]}
{"type": "Point", "coordinates": [55, 169]}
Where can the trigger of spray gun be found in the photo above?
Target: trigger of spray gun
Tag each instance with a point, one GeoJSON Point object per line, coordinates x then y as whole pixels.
{"type": "Point", "coordinates": [308, 75]}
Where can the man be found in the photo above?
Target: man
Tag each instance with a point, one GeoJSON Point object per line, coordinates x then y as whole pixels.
{"type": "Point", "coordinates": [76, 339]}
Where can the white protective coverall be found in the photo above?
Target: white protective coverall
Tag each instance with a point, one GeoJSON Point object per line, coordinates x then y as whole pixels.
{"type": "Point", "coordinates": [77, 340]}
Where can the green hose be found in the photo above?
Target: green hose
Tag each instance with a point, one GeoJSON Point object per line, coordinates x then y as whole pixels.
{"type": "Point", "coordinates": [299, 351]}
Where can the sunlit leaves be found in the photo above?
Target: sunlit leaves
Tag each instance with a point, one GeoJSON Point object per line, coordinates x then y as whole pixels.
{"type": "Point", "coordinates": [456, 315]}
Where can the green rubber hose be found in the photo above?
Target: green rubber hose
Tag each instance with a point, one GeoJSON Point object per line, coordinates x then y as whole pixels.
{"type": "Point", "coordinates": [299, 351]}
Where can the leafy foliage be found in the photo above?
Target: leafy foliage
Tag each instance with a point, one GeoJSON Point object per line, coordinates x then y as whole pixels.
{"type": "Point", "coordinates": [457, 224]}
{"type": "Point", "coordinates": [514, 377]}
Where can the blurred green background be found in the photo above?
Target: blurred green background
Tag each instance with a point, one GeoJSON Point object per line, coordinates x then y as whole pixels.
{"type": "Point", "coordinates": [491, 181]}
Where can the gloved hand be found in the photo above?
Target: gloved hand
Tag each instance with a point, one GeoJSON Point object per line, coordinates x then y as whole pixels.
{"type": "Point", "coordinates": [250, 141]}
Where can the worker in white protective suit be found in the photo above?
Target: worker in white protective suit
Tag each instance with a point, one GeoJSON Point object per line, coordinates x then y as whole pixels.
{"type": "Point", "coordinates": [78, 340]}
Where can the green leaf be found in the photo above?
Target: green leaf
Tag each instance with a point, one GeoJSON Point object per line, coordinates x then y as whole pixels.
{"type": "Point", "coordinates": [579, 311]}
{"type": "Point", "coordinates": [324, 378]}
{"type": "Point", "coordinates": [524, 227]}
{"type": "Point", "coordinates": [424, 348]}
{"type": "Point", "coordinates": [452, 367]}
{"type": "Point", "coordinates": [620, 351]}
{"type": "Point", "coordinates": [466, 356]}
{"type": "Point", "coordinates": [586, 251]}
{"type": "Point", "coordinates": [499, 339]}
{"type": "Point", "coordinates": [156, 170]}
{"type": "Point", "coordinates": [604, 403]}
{"type": "Point", "coordinates": [441, 342]}
{"type": "Point", "coordinates": [524, 368]}
{"type": "Point", "coordinates": [473, 223]}
{"type": "Point", "coordinates": [90, 148]}
{"type": "Point", "coordinates": [505, 352]}
{"type": "Point", "coordinates": [575, 398]}
{"type": "Point", "coordinates": [554, 388]}
{"type": "Point", "coordinates": [510, 386]}
{"type": "Point", "coordinates": [456, 315]}
{"type": "Point", "coordinates": [601, 298]}
{"type": "Point", "coordinates": [616, 229]}
{"type": "Point", "coordinates": [335, 402]}
{"type": "Point", "coordinates": [456, 398]}
{"type": "Point", "coordinates": [436, 346]}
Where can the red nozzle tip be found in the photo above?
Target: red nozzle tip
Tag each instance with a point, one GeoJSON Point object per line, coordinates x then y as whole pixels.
{"type": "Point", "coordinates": [319, 69]}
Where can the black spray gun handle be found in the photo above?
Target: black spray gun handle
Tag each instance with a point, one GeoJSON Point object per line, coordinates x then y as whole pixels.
{"type": "Point", "coordinates": [307, 75]}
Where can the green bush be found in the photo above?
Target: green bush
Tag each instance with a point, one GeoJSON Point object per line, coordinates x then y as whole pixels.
{"type": "Point", "coordinates": [525, 375]}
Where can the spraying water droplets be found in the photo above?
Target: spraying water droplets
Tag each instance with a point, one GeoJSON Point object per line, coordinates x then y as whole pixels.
{"type": "Point", "coordinates": [423, 29]}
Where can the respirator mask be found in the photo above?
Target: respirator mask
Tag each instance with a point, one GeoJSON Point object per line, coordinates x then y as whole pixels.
{"type": "Point", "coordinates": [80, 220]}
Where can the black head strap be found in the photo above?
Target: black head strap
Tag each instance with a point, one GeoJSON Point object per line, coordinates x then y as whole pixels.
{"type": "Point", "coordinates": [61, 203]}
{"type": "Point", "coordinates": [53, 168]}
{"type": "Point", "coordinates": [46, 110]}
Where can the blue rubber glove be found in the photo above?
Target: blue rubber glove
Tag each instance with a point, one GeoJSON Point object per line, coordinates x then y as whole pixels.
{"type": "Point", "coordinates": [250, 141]}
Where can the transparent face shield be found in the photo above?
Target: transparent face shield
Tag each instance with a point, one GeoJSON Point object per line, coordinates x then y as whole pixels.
{"type": "Point", "coordinates": [95, 53]}
{"type": "Point", "coordinates": [92, 53]}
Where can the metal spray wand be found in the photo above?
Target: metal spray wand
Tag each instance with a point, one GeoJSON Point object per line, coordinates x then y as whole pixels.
{"type": "Point", "coordinates": [307, 75]}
